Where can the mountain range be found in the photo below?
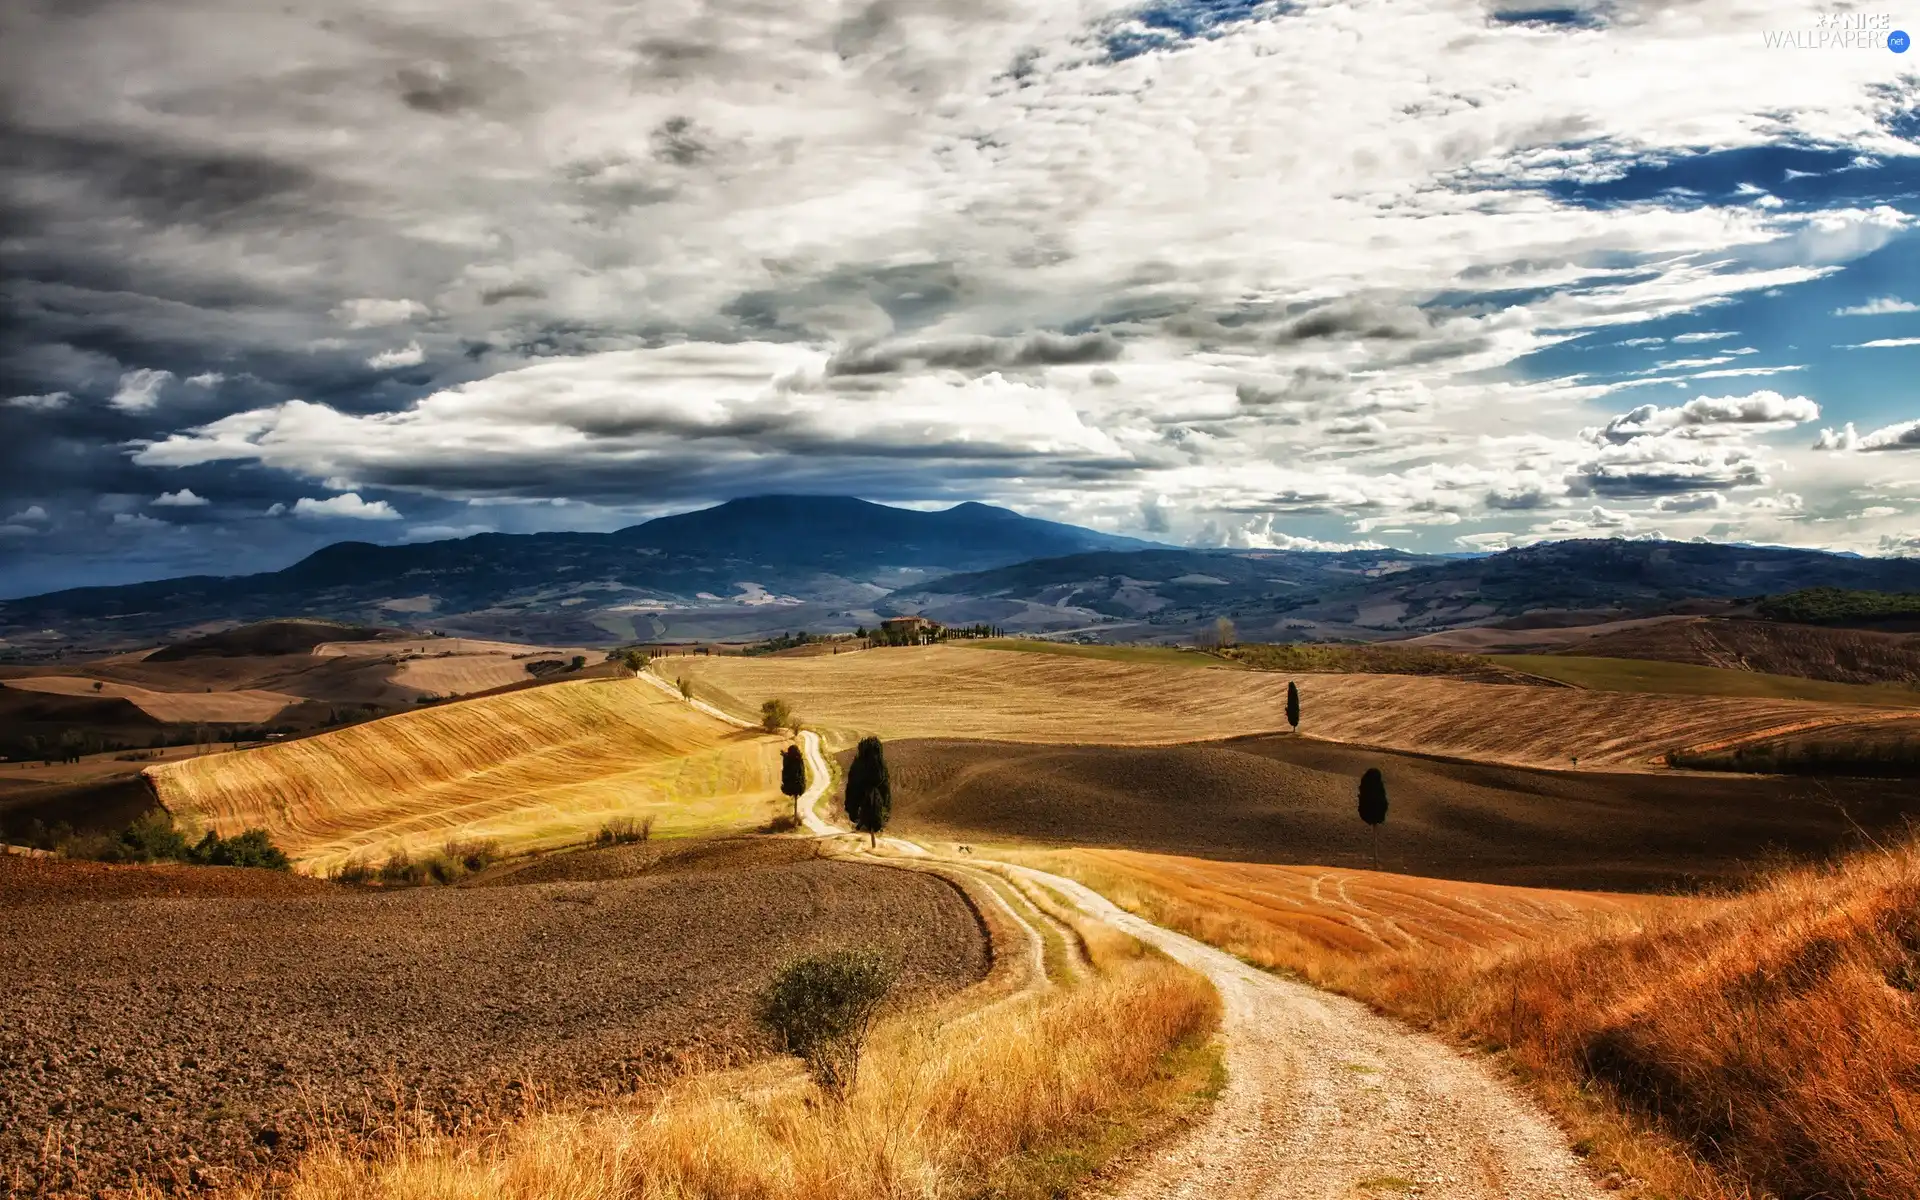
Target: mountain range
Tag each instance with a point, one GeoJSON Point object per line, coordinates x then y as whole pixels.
{"type": "Point", "coordinates": [762, 565]}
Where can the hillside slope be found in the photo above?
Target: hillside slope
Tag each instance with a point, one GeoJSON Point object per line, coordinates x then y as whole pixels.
{"type": "Point", "coordinates": [538, 767]}
{"type": "Point", "coordinates": [950, 691]}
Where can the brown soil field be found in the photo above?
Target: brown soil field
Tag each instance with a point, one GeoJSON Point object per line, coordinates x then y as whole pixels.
{"type": "Point", "coordinates": [293, 636]}
{"type": "Point", "coordinates": [1809, 651]}
{"type": "Point", "coordinates": [538, 767]}
{"type": "Point", "coordinates": [190, 1038]}
{"type": "Point", "coordinates": [947, 691]}
{"type": "Point", "coordinates": [1284, 800]}
{"type": "Point", "coordinates": [1478, 638]}
{"type": "Point", "coordinates": [242, 707]}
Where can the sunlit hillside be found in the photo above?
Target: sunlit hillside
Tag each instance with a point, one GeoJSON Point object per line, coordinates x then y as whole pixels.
{"type": "Point", "coordinates": [537, 767]}
{"type": "Point", "coordinates": [952, 691]}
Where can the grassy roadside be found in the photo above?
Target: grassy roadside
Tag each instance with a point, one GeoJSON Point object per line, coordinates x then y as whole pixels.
{"type": "Point", "coordinates": [1687, 679]}
{"type": "Point", "coordinates": [1764, 1044]}
{"type": "Point", "coordinates": [1022, 1100]}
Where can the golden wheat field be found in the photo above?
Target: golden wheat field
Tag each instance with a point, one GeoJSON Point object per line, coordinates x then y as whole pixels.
{"type": "Point", "coordinates": [249, 706]}
{"type": "Point", "coordinates": [540, 767]}
{"type": "Point", "coordinates": [952, 691]}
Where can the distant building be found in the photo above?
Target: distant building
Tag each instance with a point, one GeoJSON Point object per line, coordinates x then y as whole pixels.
{"type": "Point", "coordinates": [907, 625]}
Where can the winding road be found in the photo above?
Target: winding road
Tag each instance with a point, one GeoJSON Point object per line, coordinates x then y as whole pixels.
{"type": "Point", "coordinates": [1324, 1099]}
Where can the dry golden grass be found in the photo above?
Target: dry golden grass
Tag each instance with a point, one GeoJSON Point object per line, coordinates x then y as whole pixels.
{"type": "Point", "coordinates": [1732, 1048]}
{"type": "Point", "coordinates": [952, 691]}
{"type": "Point", "coordinates": [251, 706]}
{"type": "Point", "coordinates": [541, 767]}
{"type": "Point", "coordinates": [1012, 1101]}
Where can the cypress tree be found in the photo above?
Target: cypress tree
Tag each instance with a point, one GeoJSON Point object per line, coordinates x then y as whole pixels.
{"type": "Point", "coordinates": [869, 793]}
{"type": "Point", "coordinates": [1373, 806]}
{"type": "Point", "coordinates": [1293, 706]}
{"type": "Point", "coordinates": [793, 776]}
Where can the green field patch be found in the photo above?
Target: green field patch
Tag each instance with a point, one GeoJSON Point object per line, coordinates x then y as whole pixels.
{"type": "Point", "coordinates": [1686, 679]}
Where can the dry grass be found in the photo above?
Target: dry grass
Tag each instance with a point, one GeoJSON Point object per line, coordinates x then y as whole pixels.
{"type": "Point", "coordinates": [541, 767]}
{"type": "Point", "coordinates": [953, 691]}
{"type": "Point", "coordinates": [247, 707]}
{"type": "Point", "coordinates": [1010, 1102]}
{"type": "Point", "coordinates": [1765, 1044]}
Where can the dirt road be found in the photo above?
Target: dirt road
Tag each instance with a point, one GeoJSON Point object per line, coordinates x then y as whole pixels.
{"type": "Point", "coordinates": [1324, 1098]}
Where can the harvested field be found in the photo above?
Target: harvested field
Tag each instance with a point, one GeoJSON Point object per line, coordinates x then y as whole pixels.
{"type": "Point", "coordinates": [1331, 910]}
{"type": "Point", "coordinates": [243, 707]}
{"type": "Point", "coordinates": [267, 638]}
{"type": "Point", "coordinates": [137, 1030]}
{"type": "Point", "coordinates": [1281, 799]}
{"type": "Point", "coordinates": [461, 674]}
{"type": "Point", "coordinates": [949, 691]}
{"type": "Point", "coordinates": [106, 804]}
{"type": "Point", "coordinates": [452, 645]}
{"type": "Point", "coordinates": [540, 767]}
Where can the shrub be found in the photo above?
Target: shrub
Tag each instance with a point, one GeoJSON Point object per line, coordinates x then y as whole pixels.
{"type": "Point", "coordinates": [775, 715]}
{"type": "Point", "coordinates": [355, 870]}
{"type": "Point", "coordinates": [822, 1007]}
{"type": "Point", "coordinates": [251, 848]}
{"type": "Point", "coordinates": [623, 831]}
{"type": "Point", "coordinates": [401, 869]}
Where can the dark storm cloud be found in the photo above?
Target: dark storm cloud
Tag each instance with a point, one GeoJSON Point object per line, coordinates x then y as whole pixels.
{"type": "Point", "coordinates": [1357, 319]}
{"type": "Point", "coordinates": [164, 183]}
{"type": "Point", "coordinates": [976, 353]}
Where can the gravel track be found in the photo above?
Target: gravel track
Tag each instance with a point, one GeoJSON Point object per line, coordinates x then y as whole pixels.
{"type": "Point", "coordinates": [1325, 1099]}
{"type": "Point", "coordinates": [185, 1036]}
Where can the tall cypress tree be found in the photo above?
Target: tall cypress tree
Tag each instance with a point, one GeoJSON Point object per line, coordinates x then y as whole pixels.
{"type": "Point", "coordinates": [1293, 706]}
{"type": "Point", "coordinates": [869, 792]}
{"type": "Point", "coordinates": [793, 776]}
{"type": "Point", "coordinates": [1373, 806]}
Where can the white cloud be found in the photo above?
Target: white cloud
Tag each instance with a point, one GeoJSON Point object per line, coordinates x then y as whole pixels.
{"type": "Point", "coordinates": [1905, 545]}
{"type": "Point", "coordinates": [32, 514]}
{"type": "Point", "coordinates": [441, 533]}
{"type": "Point", "coordinates": [1902, 436]}
{"type": "Point", "coordinates": [1714, 336]}
{"type": "Point", "coordinates": [276, 509]}
{"type": "Point", "coordinates": [140, 390]}
{"type": "Point", "coordinates": [369, 313]}
{"type": "Point", "coordinates": [1875, 512]}
{"type": "Point", "coordinates": [1882, 306]}
{"type": "Point", "coordinates": [46, 402]}
{"type": "Point", "coordinates": [348, 505]}
{"type": "Point", "coordinates": [1885, 343]}
{"type": "Point", "coordinates": [139, 521]}
{"type": "Point", "coordinates": [207, 379]}
{"type": "Point", "coordinates": [1710, 416]}
{"type": "Point", "coordinates": [409, 355]}
{"type": "Point", "coordinates": [184, 498]}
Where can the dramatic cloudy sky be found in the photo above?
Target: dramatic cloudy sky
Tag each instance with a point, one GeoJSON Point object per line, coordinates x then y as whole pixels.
{"type": "Point", "coordinates": [1428, 273]}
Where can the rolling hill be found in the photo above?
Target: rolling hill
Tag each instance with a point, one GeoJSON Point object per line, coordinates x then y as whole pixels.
{"type": "Point", "coordinates": [952, 691]}
{"type": "Point", "coordinates": [531, 768]}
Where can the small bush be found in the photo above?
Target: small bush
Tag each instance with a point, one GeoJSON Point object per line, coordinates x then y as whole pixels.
{"type": "Point", "coordinates": [402, 870]}
{"type": "Point", "coordinates": [822, 1007]}
{"type": "Point", "coordinates": [775, 715]}
{"type": "Point", "coordinates": [355, 870]}
{"type": "Point", "coordinates": [622, 831]}
{"type": "Point", "coordinates": [251, 848]}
